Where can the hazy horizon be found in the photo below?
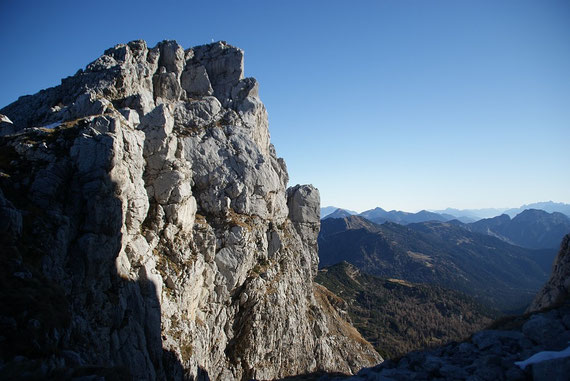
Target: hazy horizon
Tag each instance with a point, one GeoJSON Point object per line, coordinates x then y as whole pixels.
{"type": "Point", "coordinates": [388, 209]}
{"type": "Point", "coordinates": [408, 105]}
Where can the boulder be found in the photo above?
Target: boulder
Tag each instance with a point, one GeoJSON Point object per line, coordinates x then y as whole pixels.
{"type": "Point", "coordinates": [304, 203]}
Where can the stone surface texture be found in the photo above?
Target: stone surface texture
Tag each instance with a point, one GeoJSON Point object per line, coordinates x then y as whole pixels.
{"type": "Point", "coordinates": [147, 231]}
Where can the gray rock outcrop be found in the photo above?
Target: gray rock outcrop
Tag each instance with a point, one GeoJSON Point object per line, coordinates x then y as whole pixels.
{"type": "Point", "coordinates": [147, 231]}
{"type": "Point", "coordinates": [558, 286]}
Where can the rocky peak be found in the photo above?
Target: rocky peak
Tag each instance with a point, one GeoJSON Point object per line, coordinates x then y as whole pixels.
{"type": "Point", "coordinates": [224, 64]}
{"type": "Point", "coordinates": [143, 199]}
{"type": "Point", "coordinates": [133, 77]}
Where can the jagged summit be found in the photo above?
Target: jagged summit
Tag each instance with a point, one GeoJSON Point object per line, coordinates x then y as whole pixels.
{"type": "Point", "coordinates": [143, 199]}
{"type": "Point", "coordinates": [136, 77]}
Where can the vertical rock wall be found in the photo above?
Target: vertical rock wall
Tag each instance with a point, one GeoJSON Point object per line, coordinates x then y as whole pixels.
{"type": "Point", "coordinates": [148, 230]}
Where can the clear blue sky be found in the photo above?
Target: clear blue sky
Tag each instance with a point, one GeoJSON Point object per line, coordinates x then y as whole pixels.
{"type": "Point", "coordinates": [399, 104]}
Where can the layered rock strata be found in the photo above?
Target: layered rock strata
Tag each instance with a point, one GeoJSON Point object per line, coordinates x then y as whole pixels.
{"type": "Point", "coordinates": [147, 230]}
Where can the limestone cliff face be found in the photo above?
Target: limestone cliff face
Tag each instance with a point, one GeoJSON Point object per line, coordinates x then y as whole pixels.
{"type": "Point", "coordinates": [147, 229]}
{"type": "Point", "coordinates": [557, 289]}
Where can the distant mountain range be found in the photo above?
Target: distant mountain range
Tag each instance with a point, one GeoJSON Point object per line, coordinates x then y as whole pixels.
{"type": "Point", "coordinates": [472, 214]}
{"type": "Point", "coordinates": [477, 214]}
{"type": "Point", "coordinates": [549, 206]}
{"type": "Point", "coordinates": [501, 275]}
{"type": "Point", "coordinates": [532, 228]}
{"type": "Point", "coordinates": [328, 210]}
{"type": "Point", "coordinates": [339, 213]}
{"type": "Point", "coordinates": [397, 316]}
{"type": "Point", "coordinates": [380, 215]}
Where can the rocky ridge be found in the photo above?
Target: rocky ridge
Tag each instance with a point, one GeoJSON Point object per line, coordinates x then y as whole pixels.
{"type": "Point", "coordinates": [500, 275]}
{"type": "Point", "coordinates": [531, 228]}
{"type": "Point", "coordinates": [148, 232]}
